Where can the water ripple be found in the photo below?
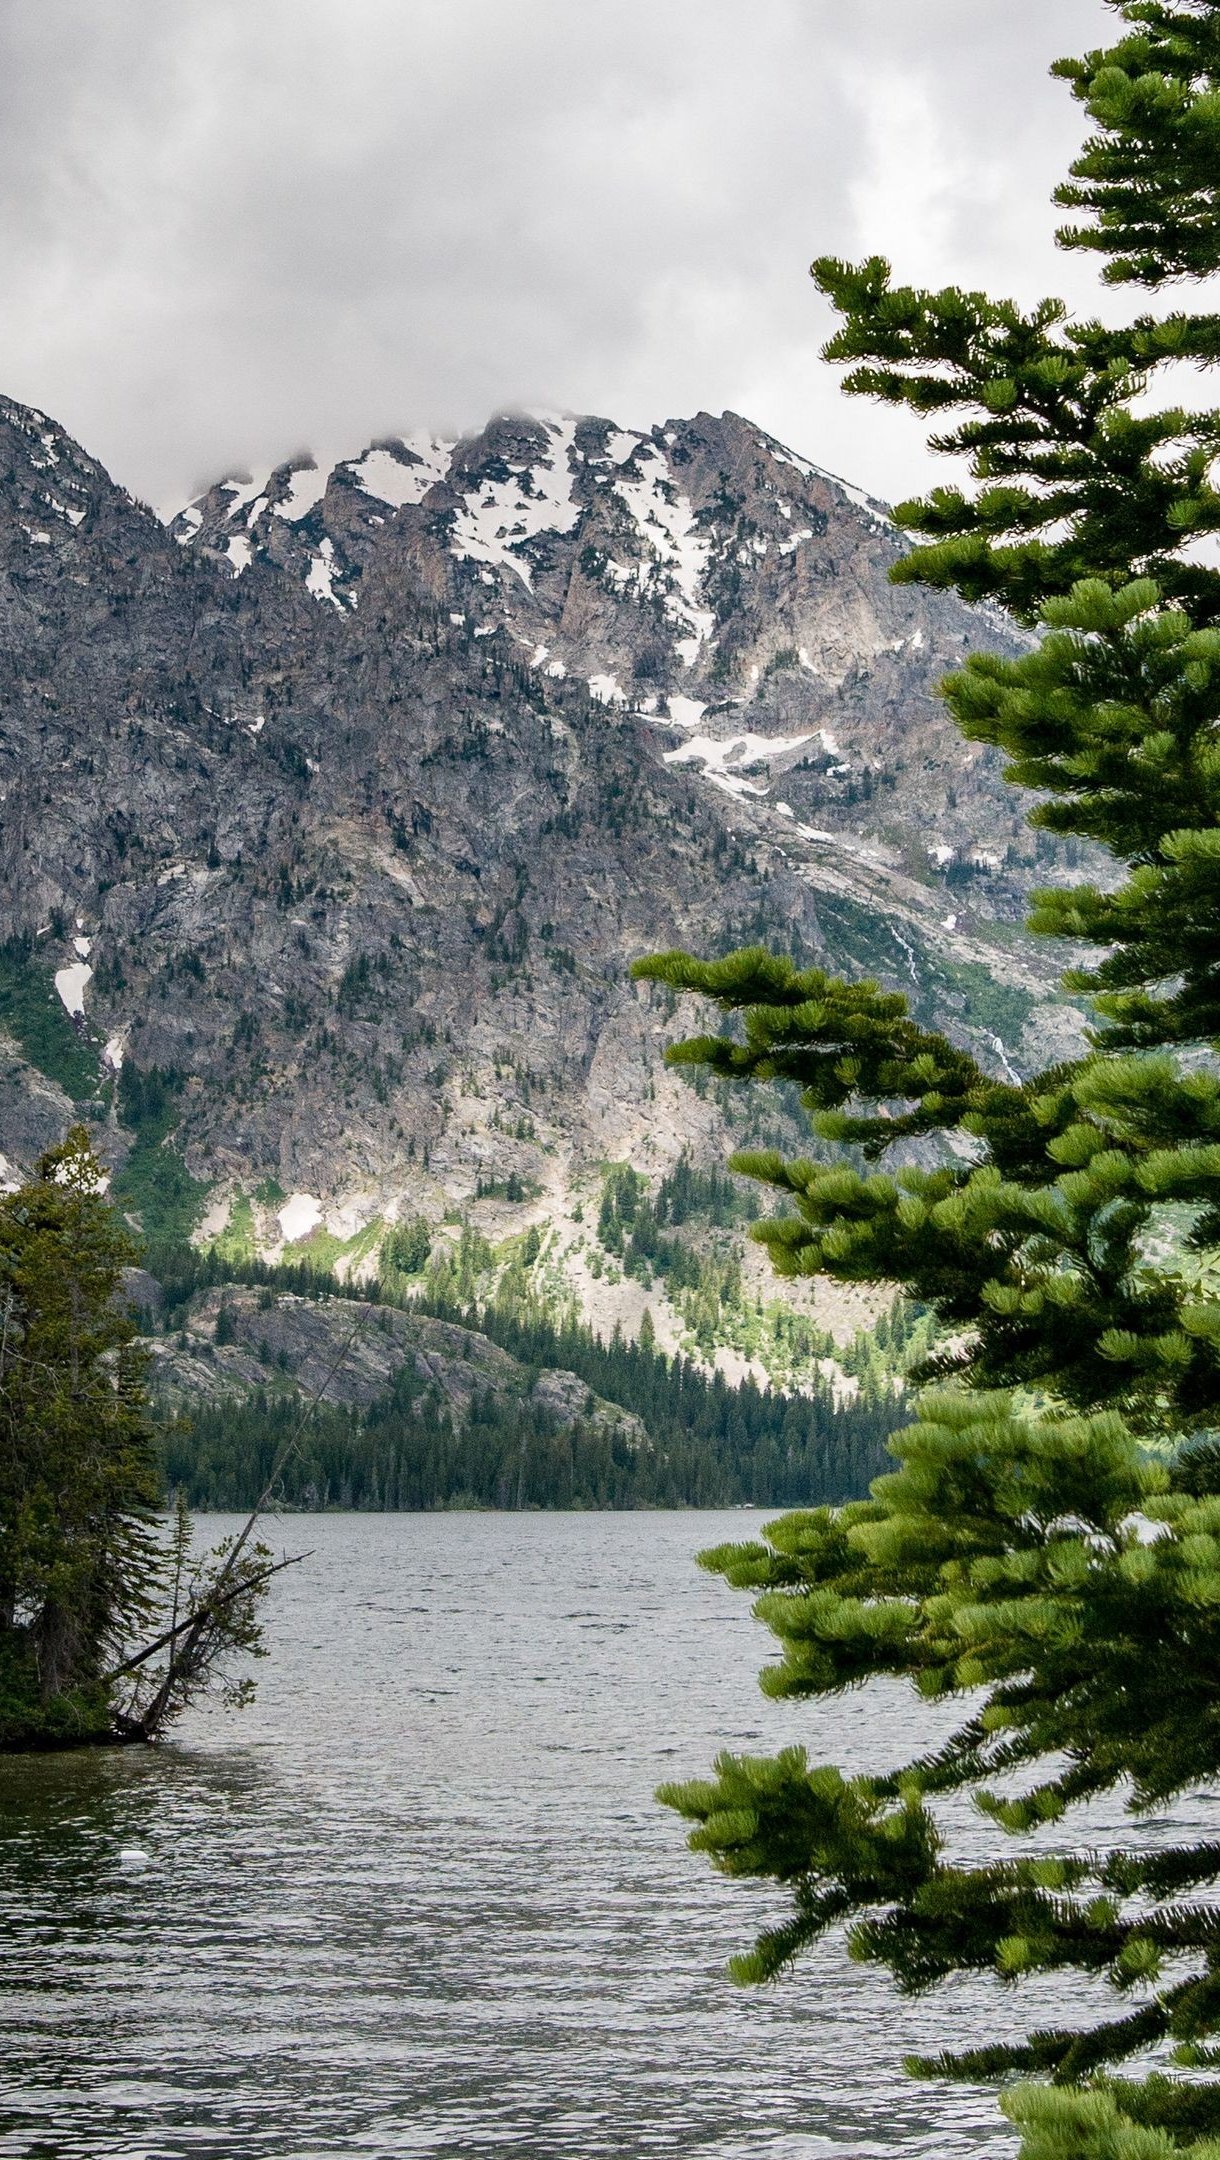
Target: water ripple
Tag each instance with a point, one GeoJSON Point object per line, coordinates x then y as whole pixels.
{"type": "Point", "coordinates": [419, 1900]}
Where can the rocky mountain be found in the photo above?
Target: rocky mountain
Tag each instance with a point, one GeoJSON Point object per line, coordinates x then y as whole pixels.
{"type": "Point", "coordinates": [334, 813]}
{"type": "Point", "coordinates": [290, 1344]}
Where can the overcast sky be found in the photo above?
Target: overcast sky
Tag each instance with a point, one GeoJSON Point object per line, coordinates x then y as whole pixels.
{"type": "Point", "coordinates": [231, 229]}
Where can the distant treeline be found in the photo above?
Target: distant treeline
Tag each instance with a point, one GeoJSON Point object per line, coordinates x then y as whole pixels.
{"type": "Point", "coordinates": [183, 1271]}
{"type": "Point", "coordinates": [710, 1444]}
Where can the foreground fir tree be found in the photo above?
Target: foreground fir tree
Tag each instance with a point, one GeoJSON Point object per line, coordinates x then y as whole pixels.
{"type": "Point", "coordinates": [1048, 1549]}
{"type": "Point", "coordinates": [86, 1576]}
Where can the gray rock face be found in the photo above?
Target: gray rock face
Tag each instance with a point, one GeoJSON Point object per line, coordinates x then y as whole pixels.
{"type": "Point", "coordinates": [351, 797]}
{"type": "Point", "coordinates": [569, 1400]}
{"type": "Point", "coordinates": [297, 1347]}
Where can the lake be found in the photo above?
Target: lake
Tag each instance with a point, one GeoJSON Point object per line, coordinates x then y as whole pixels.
{"type": "Point", "coordinates": [419, 1899]}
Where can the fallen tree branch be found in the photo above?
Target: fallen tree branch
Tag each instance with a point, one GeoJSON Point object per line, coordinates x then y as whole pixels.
{"type": "Point", "coordinates": [209, 1606]}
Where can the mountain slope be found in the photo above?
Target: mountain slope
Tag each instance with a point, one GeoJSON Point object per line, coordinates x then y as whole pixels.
{"type": "Point", "coordinates": [339, 809]}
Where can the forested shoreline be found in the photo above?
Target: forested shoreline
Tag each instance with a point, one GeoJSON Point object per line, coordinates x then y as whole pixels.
{"type": "Point", "coordinates": [709, 1443]}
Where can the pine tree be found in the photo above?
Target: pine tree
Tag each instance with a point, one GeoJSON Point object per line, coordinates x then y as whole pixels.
{"type": "Point", "coordinates": [79, 1469]}
{"type": "Point", "coordinates": [1052, 1533]}
{"type": "Point", "coordinates": [85, 1571]}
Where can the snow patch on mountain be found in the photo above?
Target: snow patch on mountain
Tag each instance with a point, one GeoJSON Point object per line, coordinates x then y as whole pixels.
{"type": "Point", "coordinates": [499, 516]}
{"type": "Point", "coordinates": [402, 471]}
{"type": "Point", "coordinates": [685, 712]}
{"type": "Point", "coordinates": [243, 490]}
{"type": "Point", "coordinates": [675, 552]}
{"type": "Point", "coordinates": [300, 1214]}
{"type": "Point", "coordinates": [320, 577]}
{"type": "Point", "coordinates": [735, 753]}
{"type": "Point", "coordinates": [70, 983]}
{"type": "Point", "coordinates": [306, 487]}
{"type": "Point", "coordinates": [620, 445]}
{"type": "Point", "coordinates": [606, 690]}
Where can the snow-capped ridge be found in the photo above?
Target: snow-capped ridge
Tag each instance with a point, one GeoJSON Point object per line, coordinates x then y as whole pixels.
{"type": "Point", "coordinates": [534, 504]}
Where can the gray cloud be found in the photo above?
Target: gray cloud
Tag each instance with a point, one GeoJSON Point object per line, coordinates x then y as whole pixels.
{"type": "Point", "coordinates": [231, 228]}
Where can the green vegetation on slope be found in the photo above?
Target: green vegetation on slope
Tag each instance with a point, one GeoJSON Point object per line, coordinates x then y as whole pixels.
{"type": "Point", "coordinates": [863, 943]}
{"type": "Point", "coordinates": [154, 1183]}
{"type": "Point", "coordinates": [701, 1275]}
{"type": "Point", "coordinates": [32, 1011]}
{"type": "Point", "coordinates": [710, 1443]}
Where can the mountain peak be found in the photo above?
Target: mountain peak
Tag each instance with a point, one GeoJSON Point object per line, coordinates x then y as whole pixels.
{"type": "Point", "coordinates": [364, 783]}
{"type": "Point", "coordinates": [538, 507]}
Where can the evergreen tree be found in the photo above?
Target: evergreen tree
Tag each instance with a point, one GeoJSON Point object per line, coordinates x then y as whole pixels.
{"type": "Point", "coordinates": [1052, 1534]}
{"type": "Point", "coordinates": [84, 1569]}
{"type": "Point", "coordinates": [79, 1473]}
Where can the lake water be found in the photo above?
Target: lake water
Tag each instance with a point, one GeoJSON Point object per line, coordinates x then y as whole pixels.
{"type": "Point", "coordinates": [419, 1900]}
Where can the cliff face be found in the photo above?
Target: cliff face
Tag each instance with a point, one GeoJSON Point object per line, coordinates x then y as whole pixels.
{"type": "Point", "coordinates": [347, 801]}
